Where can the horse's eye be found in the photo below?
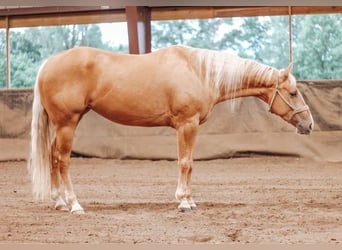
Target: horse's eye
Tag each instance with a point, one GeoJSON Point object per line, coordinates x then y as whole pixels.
{"type": "Point", "coordinates": [293, 94]}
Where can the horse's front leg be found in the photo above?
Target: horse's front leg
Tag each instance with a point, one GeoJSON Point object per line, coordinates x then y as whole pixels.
{"type": "Point", "coordinates": [186, 139]}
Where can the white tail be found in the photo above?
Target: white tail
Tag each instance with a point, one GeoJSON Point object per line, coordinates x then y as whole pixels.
{"type": "Point", "coordinates": [39, 162]}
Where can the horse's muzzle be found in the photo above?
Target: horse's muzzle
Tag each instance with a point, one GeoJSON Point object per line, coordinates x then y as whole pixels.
{"type": "Point", "coordinates": [305, 127]}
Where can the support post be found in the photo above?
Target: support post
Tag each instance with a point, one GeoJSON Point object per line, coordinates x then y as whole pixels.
{"type": "Point", "coordinates": [290, 34]}
{"type": "Point", "coordinates": [8, 55]}
{"type": "Point", "coordinates": [139, 29]}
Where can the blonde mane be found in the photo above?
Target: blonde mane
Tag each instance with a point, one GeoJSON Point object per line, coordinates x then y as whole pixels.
{"type": "Point", "coordinates": [231, 72]}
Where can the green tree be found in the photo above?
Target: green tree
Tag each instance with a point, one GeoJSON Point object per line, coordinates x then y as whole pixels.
{"type": "Point", "coordinates": [206, 34]}
{"type": "Point", "coordinates": [203, 33]}
{"type": "Point", "coordinates": [25, 58]}
{"type": "Point", "coordinates": [29, 47]}
{"type": "Point", "coordinates": [318, 53]}
{"type": "Point", "coordinates": [275, 51]}
{"type": "Point", "coordinates": [317, 40]}
{"type": "Point", "coordinates": [166, 33]}
{"type": "Point", "coordinates": [23, 72]}
{"type": "Point", "coordinates": [252, 38]}
{"type": "Point", "coordinates": [264, 39]}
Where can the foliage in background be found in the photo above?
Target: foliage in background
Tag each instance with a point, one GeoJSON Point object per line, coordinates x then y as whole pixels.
{"type": "Point", "coordinates": [2, 59]}
{"type": "Point", "coordinates": [317, 40]}
{"type": "Point", "coordinates": [317, 43]}
{"type": "Point", "coordinates": [31, 46]}
{"type": "Point", "coordinates": [318, 51]}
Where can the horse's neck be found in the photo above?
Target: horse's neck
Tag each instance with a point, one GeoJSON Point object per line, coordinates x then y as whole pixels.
{"type": "Point", "coordinates": [249, 78]}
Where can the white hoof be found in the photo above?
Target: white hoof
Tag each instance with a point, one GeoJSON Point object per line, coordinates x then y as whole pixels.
{"type": "Point", "coordinates": [77, 209]}
{"type": "Point", "coordinates": [77, 212]}
{"type": "Point", "coordinates": [184, 206]}
{"type": "Point", "coordinates": [61, 205]}
{"type": "Point", "coordinates": [62, 208]}
{"type": "Point", "coordinates": [192, 204]}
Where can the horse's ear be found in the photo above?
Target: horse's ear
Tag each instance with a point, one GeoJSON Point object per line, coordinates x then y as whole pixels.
{"type": "Point", "coordinates": [289, 68]}
{"type": "Point", "coordinates": [286, 72]}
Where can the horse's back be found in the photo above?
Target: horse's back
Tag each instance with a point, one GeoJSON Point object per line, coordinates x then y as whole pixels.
{"type": "Point", "coordinates": [92, 62]}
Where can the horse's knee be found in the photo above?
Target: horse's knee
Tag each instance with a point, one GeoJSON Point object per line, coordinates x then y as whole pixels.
{"type": "Point", "coordinates": [185, 166]}
{"type": "Point", "coordinates": [185, 162]}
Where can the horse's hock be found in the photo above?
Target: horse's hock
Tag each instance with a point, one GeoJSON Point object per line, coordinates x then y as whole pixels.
{"type": "Point", "coordinates": [248, 129]}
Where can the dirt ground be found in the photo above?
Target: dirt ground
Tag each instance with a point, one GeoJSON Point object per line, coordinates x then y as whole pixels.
{"type": "Point", "coordinates": [243, 200]}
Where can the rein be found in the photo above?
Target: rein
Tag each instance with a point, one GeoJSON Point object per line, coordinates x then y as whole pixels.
{"type": "Point", "coordinates": [294, 109]}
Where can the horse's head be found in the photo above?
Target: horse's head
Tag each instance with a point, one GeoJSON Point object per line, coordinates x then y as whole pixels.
{"type": "Point", "coordinates": [286, 101]}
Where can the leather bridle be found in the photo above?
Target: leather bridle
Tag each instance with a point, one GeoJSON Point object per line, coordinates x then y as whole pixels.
{"type": "Point", "coordinates": [294, 109]}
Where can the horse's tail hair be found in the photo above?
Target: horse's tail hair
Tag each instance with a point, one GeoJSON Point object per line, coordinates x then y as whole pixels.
{"type": "Point", "coordinates": [39, 162]}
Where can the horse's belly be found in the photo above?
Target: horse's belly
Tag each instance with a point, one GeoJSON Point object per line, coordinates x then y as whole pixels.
{"type": "Point", "coordinates": [129, 113]}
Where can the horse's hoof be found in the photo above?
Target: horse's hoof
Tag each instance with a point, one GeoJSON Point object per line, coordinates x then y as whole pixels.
{"type": "Point", "coordinates": [77, 212]}
{"type": "Point", "coordinates": [193, 207]}
{"type": "Point", "coordinates": [184, 209]}
{"type": "Point", "coordinates": [184, 206]}
{"type": "Point", "coordinates": [61, 205]}
{"type": "Point", "coordinates": [77, 209]}
{"type": "Point", "coordinates": [192, 204]}
{"type": "Point", "coordinates": [62, 208]}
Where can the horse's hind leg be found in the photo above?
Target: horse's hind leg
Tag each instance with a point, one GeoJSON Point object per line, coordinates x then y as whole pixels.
{"type": "Point", "coordinates": [55, 180]}
{"type": "Point", "coordinates": [64, 138]}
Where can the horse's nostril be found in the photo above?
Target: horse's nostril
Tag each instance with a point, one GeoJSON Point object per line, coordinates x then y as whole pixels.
{"type": "Point", "coordinates": [310, 126]}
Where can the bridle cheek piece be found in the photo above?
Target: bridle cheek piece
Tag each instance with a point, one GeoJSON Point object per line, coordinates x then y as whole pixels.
{"type": "Point", "coordinates": [294, 109]}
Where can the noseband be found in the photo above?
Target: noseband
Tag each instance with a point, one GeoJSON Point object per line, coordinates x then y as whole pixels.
{"type": "Point", "coordinates": [294, 109]}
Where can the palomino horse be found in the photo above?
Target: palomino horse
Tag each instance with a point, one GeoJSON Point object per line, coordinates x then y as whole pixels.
{"type": "Point", "coordinates": [177, 87]}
